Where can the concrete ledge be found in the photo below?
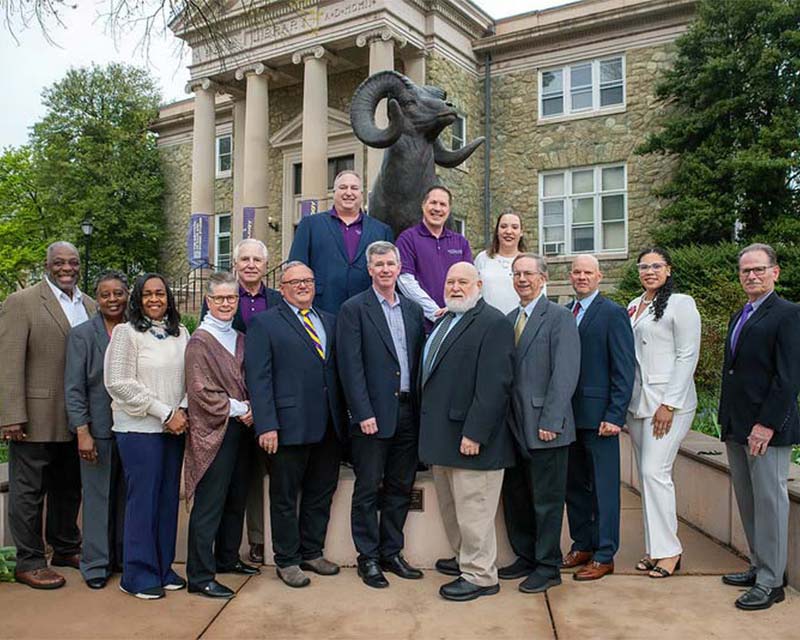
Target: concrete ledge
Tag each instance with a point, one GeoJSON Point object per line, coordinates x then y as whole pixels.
{"type": "Point", "coordinates": [705, 497]}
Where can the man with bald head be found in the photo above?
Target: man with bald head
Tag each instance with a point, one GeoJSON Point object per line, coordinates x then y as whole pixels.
{"type": "Point", "coordinates": [599, 404]}
{"type": "Point", "coordinates": [43, 463]}
{"type": "Point", "coordinates": [465, 384]}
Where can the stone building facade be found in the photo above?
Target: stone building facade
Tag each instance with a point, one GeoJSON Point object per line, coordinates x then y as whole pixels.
{"type": "Point", "coordinates": [564, 95]}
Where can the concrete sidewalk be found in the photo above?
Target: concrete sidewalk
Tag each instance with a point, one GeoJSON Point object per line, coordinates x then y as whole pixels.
{"type": "Point", "coordinates": [692, 604]}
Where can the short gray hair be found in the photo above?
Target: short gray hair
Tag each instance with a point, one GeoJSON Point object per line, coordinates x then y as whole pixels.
{"type": "Point", "coordinates": [249, 241]}
{"type": "Point", "coordinates": [59, 244]}
{"type": "Point", "coordinates": [381, 248]}
{"type": "Point", "coordinates": [220, 278]}
{"type": "Point", "coordinates": [291, 265]}
{"type": "Point", "coordinates": [347, 172]}
{"type": "Point", "coordinates": [760, 246]}
{"type": "Point", "coordinates": [541, 263]}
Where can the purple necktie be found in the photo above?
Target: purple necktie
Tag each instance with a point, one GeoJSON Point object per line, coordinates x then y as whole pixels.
{"type": "Point", "coordinates": [748, 309]}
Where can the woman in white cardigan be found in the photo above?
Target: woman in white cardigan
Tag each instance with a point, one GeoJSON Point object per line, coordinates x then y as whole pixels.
{"type": "Point", "coordinates": [144, 375]}
{"type": "Point", "coordinates": [666, 329]}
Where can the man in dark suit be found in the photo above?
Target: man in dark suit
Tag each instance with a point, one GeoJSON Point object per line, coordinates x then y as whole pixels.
{"type": "Point", "coordinates": [608, 364]}
{"type": "Point", "coordinates": [298, 417]}
{"type": "Point", "coordinates": [465, 384]}
{"type": "Point", "coordinates": [332, 244]}
{"type": "Point", "coordinates": [43, 464]}
{"type": "Point", "coordinates": [379, 340]}
{"type": "Point", "coordinates": [759, 420]}
{"type": "Point", "coordinates": [250, 262]}
{"type": "Point", "coordinates": [547, 363]}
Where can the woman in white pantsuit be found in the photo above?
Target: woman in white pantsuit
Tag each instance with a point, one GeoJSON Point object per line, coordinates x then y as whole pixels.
{"type": "Point", "coordinates": [666, 329]}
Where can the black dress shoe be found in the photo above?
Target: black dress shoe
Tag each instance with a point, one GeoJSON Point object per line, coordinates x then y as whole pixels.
{"type": "Point", "coordinates": [398, 565]}
{"type": "Point", "coordinates": [213, 589]}
{"type": "Point", "coordinates": [760, 597]}
{"type": "Point", "coordinates": [371, 575]}
{"type": "Point", "coordinates": [460, 590]}
{"type": "Point", "coordinates": [517, 569]}
{"type": "Point", "coordinates": [96, 583]}
{"type": "Point", "coordinates": [741, 579]}
{"type": "Point", "coordinates": [242, 569]}
{"type": "Point", "coordinates": [536, 583]}
{"type": "Point", "coordinates": [448, 566]}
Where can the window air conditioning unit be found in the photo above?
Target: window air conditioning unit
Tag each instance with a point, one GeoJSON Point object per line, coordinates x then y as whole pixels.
{"type": "Point", "coordinates": [553, 248]}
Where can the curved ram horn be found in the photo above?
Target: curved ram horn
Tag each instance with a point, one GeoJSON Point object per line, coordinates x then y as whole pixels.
{"type": "Point", "coordinates": [384, 84]}
{"type": "Point", "coordinates": [450, 159]}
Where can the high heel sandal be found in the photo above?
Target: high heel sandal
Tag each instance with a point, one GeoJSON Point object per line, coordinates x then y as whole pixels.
{"type": "Point", "coordinates": [645, 564]}
{"type": "Point", "coordinates": [663, 573]}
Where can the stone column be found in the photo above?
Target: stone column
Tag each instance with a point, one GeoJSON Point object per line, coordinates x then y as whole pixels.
{"type": "Point", "coordinates": [203, 158]}
{"type": "Point", "coordinates": [256, 139]}
{"type": "Point", "coordinates": [381, 58]}
{"type": "Point", "coordinates": [315, 123]}
{"type": "Point", "coordinates": [239, 106]}
{"type": "Point", "coordinates": [415, 64]}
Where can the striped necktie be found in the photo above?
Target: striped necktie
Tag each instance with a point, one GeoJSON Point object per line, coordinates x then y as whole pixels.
{"type": "Point", "coordinates": [312, 333]}
{"type": "Point", "coordinates": [519, 326]}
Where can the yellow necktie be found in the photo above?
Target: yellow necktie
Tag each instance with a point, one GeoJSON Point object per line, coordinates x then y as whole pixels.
{"type": "Point", "coordinates": [519, 326]}
{"type": "Point", "coordinates": [312, 333]}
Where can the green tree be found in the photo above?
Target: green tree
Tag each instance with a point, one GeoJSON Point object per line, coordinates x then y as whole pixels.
{"type": "Point", "coordinates": [96, 158]}
{"type": "Point", "coordinates": [734, 124]}
{"type": "Point", "coordinates": [25, 229]}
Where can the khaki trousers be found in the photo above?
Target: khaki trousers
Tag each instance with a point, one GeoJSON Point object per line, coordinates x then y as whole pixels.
{"type": "Point", "coordinates": [468, 503]}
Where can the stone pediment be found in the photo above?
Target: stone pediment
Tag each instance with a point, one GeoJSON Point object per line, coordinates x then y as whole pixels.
{"type": "Point", "coordinates": [292, 134]}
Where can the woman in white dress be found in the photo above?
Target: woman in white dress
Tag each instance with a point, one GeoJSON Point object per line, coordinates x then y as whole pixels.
{"type": "Point", "coordinates": [666, 330]}
{"type": "Point", "coordinates": [494, 264]}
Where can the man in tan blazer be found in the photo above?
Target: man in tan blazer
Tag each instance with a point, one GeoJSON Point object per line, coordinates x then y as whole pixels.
{"type": "Point", "coordinates": [34, 324]}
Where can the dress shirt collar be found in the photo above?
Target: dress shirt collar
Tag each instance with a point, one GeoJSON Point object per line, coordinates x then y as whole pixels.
{"type": "Point", "coordinates": [587, 300]}
{"type": "Point", "coordinates": [760, 301]}
{"type": "Point", "coordinates": [528, 308]}
{"type": "Point", "coordinates": [383, 300]}
{"type": "Point", "coordinates": [77, 296]}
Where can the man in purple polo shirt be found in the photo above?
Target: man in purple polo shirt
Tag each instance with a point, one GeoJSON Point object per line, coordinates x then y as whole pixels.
{"type": "Point", "coordinates": [428, 250]}
{"type": "Point", "coordinates": [333, 244]}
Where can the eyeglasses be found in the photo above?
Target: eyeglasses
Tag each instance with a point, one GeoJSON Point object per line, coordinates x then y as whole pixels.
{"type": "Point", "coordinates": [756, 271]}
{"type": "Point", "coordinates": [220, 299]}
{"type": "Point", "coordinates": [655, 267]}
{"type": "Point", "coordinates": [527, 274]}
{"type": "Point", "coordinates": [297, 282]}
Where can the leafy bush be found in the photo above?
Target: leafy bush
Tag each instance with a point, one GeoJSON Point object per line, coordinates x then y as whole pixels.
{"type": "Point", "coordinates": [190, 322]}
{"type": "Point", "coordinates": [3, 452]}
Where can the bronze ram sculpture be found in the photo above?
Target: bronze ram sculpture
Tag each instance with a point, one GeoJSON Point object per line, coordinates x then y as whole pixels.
{"type": "Point", "coordinates": [417, 115]}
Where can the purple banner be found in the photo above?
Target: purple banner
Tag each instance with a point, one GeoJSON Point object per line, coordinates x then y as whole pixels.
{"type": "Point", "coordinates": [197, 240]}
{"type": "Point", "coordinates": [248, 222]}
{"type": "Point", "coordinates": [308, 207]}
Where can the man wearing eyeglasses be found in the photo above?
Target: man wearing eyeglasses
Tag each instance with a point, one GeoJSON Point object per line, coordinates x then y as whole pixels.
{"type": "Point", "coordinates": [333, 243]}
{"type": "Point", "coordinates": [547, 362]}
{"type": "Point", "coordinates": [298, 416]}
{"type": "Point", "coordinates": [759, 419]}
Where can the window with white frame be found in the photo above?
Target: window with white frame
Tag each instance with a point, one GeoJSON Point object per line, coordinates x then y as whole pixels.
{"type": "Point", "coordinates": [224, 156]}
{"type": "Point", "coordinates": [460, 225]}
{"type": "Point", "coordinates": [582, 88]}
{"type": "Point", "coordinates": [458, 137]}
{"type": "Point", "coordinates": [222, 241]}
{"type": "Point", "coordinates": [583, 210]}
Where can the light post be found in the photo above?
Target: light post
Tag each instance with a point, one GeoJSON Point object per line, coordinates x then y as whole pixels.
{"type": "Point", "coordinates": [87, 228]}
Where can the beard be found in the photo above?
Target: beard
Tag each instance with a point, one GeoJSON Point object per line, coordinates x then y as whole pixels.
{"type": "Point", "coordinates": [462, 305]}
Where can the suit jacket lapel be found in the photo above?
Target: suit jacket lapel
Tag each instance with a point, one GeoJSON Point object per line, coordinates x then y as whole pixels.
{"type": "Point", "coordinates": [375, 314]}
{"type": "Point", "coordinates": [363, 240]}
{"type": "Point", "coordinates": [456, 331]}
{"type": "Point", "coordinates": [294, 322]}
{"type": "Point", "coordinates": [100, 332]}
{"type": "Point", "coordinates": [590, 314]}
{"type": "Point", "coordinates": [329, 331]}
{"type": "Point", "coordinates": [533, 325]}
{"type": "Point", "coordinates": [760, 314]}
{"type": "Point", "coordinates": [53, 307]}
{"type": "Point", "coordinates": [333, 227]}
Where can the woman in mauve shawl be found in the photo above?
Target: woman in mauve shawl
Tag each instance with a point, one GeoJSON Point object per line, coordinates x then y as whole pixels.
{"type": "Point", "coordinates": [219, 443]}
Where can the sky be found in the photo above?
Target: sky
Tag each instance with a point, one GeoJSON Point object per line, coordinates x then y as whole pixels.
{"type": "Point", "coordinates": [30, 63]}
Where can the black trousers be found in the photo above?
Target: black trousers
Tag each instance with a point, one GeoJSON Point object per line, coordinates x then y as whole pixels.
{"type": "Point", "coordinates": [392, 461]}
{"type": "Point", "coordinates": [593, 494]}
{"type": "Point", "coordinates": [313, 471]}
{"type": "Point", "coordinates": [39, 471]}
{"type": "Point", "coordinates": [217, 518]}
{"type": "Point", "coordinates": [534, 492]}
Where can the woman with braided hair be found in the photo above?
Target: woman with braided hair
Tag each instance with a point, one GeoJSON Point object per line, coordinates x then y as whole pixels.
{"type": "Point", "coordinates": [666, 329]}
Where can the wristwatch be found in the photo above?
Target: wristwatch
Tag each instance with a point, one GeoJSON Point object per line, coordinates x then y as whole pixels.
{"type": "Point", "coordinates": [668, 408]}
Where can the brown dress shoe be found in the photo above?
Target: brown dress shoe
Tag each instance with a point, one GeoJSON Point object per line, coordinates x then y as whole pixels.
{"type": "Point", "coordinates": [594, 571]}
{"type": "Point", "coordinates": [257, 553]}
{"type": "Point", "coordinates": [44, 578]}
{"type": "Point", "coordinates": [576, 559]}
{"type": "Point", "coordinates": [73, 561]}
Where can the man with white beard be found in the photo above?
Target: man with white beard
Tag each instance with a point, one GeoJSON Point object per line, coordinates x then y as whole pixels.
{"type": "Point", "coordinates": [465, 388]}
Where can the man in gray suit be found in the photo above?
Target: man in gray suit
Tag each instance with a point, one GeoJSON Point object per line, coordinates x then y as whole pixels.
{"type": "Point", "coordinates": [546, 368]}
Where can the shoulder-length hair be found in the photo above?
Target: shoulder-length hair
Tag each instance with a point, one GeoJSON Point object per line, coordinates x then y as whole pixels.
{"type": "Point", "coordinates": [136, 314]}
{"type": "Point", "coordinates": [494, 249]}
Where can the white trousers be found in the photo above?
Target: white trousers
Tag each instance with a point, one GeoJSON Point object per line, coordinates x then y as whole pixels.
{"type": "Point", "coordinates": [655, 458]}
